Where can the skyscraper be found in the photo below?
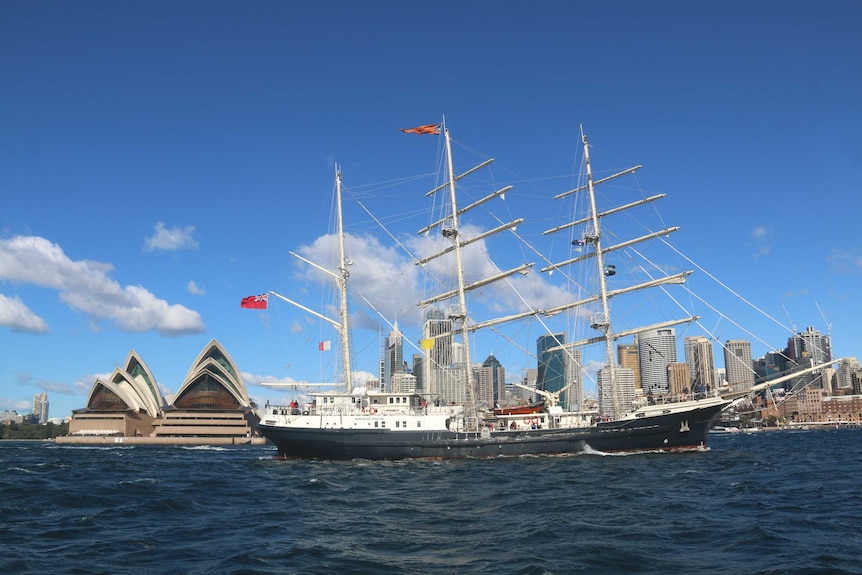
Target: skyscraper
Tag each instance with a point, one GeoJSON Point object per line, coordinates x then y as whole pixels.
{"type": "Point", "coordinates": [739, 368]}
{"type": "Point", "coordinates": [438, 357]}
{"type": "Point", "coordinates": [552, 364]}
{"type": "Point", "coordinates": [628, 358]}
{"type": "Point", "coordinates": [679, 378]}
{"type": "Point", "coordinates": [809, 345]}
{"type": "Point", "coordinates": [625, 391]}
{"type": "Point", "coordinates": [393, 360]}
{"type": "Point", "coordinates": [491, 382]}
{"type": "Point", "coordinates": [656, 350]}
{"type": "Point", "coordinates": [573, 398]}
{"type": "Point", "coordinates": [40, 406]}
{"type": "Point", "coordinates": [701, 364]}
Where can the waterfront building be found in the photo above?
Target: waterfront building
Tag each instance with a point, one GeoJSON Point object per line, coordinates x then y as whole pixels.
{"type": "Point", "coordinates": [679, 378]}
{"type": "Point", "coordinates": [844, 377]}
{"type": "Point", "coordinates": [418, 360]}
{"type": "Point", "coordinates": [552, 363]}
{"type": "Point", "coordinates": [656, 351]}
{"type": "Point", "coordinates": [437, 343]}
{"type": "Point", "coordinates": [573, 397]}
{"type": "Point", "coordinates": [393, 357]}
{"type": "Point", "coordinates": [701, 365]}
{"type": "Point", "coordinates": [211, 406]}
{"type": "Point", "coordinates": [609, 405]}
{"type": "Point", "coordinates": [491, 382]}
{"type": "Point", "coordinates": [627, 356]}
{"type": "Point", "coordinates": [809, 345]}
{"type": "Point", "coordinates": [40, 408]}
{"type": "Point", "coordinates": [739, 368]}
{"type": "Point", "coordinates": [403, 383]}
{"type": "Point", "coordinates": [771, 365]}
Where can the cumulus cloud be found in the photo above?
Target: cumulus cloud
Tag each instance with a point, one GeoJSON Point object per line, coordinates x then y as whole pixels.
{"type": "Point", "coordinates": [387, 277]}
{"type": "Point", "coordinates": [195, 289]}
{"type": "Point", "coordinates": [172, 239]}
{"type": "Point", "coordinates": [761, 236]}
{"type": "Point", "coordinates": [17, 316]}
{"type": "Point", "coordinates": [86, 286]}
{"type": "Point", "coordinates": [844, 261]}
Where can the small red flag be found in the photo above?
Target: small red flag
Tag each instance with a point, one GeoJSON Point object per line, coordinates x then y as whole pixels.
{"type": "Point", "coordinates": [427, 129]}
{"type": "Point", "coordinates": [254, 301]}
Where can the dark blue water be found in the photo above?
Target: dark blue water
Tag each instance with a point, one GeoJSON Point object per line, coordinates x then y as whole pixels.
{"type": "Point", "coordinates": [769, 503]}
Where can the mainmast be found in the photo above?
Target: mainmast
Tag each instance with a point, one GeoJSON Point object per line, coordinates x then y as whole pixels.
{"type": "Point", "coordinates": [450, 229]}
{"type": "Point", "coordinates": [344, 312]}
{"type": "Point", "coordinates": [460, 314]}
{"type": "Point", "coordinates": [601, 322]}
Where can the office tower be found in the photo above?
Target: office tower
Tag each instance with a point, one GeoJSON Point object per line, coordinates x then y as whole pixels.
{"type": "Point", "coordinates": [739, 369]}
{"type": "Point", "coordinates": [403, 383]}
{"type": "Point", "coordinates": [627, 354]}
{"type": "Point", "coordinates": [491, 382]}
{"type": "Point", "coordinates": [573, 398]}
{"type": "Point", "coordinates": [37, 401]}
{"type": "Point", "coordinates": [770, 366]}
{"type": "Point", "coordinates": [701, 365]}
{"type": "Point", "coordinates": [437, 343]}
{"type": "Point", "coordinates": [809, 345]}
{"type": "Point", "coordinates": [393, 361]}
{"type": "Point", "coordinates": [418, 360]}
{"type": "Point", "coordinates": [552, 362]}
{"type": "Point", "coordinates": [40, 407]}
{"type": "Point", "coordinates": [844, 377]}
{"type": "Point", "coordinates": [679, 378]}
{"type": "Point", "coordinates": [656, 350]}
{"type": "Point", "coordinates": [612, 405]}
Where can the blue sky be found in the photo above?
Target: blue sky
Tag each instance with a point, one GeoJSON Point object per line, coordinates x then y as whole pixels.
{"type": "Point", "coordinates": [160, 160]}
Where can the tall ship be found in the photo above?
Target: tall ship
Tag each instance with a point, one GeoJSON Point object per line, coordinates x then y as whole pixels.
{"type": "Point", "coordinates": [350, 421]}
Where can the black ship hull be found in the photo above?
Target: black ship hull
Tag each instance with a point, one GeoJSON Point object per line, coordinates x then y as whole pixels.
{"type": "Point", "coordinates": [667, 432]}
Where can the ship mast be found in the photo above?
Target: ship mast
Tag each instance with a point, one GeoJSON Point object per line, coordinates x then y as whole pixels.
{"type": "Point", "coordinates": [460, 315]}
{"type": "Point", "coordinates": [600, 322]}
{"type": "Point", "coordinates": [342, 324]}
{"type": "Point", "coordinates": [450, 230]}
{"type": "Point", "coordinates": [344, 312]}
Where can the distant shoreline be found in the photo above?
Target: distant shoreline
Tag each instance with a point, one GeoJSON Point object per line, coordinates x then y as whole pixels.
{"type": "Point", "coordinates": [117, 440]}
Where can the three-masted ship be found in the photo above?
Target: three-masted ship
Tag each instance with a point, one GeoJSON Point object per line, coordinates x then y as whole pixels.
{"type": "Point", "coordinates": [348, 424]}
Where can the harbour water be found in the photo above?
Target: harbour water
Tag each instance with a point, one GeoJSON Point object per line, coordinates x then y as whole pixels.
{"type": "Point", "coordinates": [765, 503]}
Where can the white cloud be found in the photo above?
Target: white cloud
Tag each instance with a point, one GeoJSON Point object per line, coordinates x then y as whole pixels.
{"type": "Point", "coordinates": [173, 239]}
{"type": "Point", "coordinates": [388, 278]}
{"type": "Point", "coordinates": [87, 287]}
{"type": "Point", "coordinates": [195, 289]}
{"type": "Point", "coordinates": [761, 236]}
{"type": "Point", "coordinates": [17, 316]}
{"type": "Point", "coordinates": [759, 232]}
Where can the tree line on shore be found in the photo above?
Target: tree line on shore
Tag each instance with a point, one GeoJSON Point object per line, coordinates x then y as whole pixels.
{"type": "Point", "coordinates": [32, 430]}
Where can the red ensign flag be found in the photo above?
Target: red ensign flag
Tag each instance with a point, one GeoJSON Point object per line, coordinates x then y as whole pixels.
{"type": "Point", "coordinates": [254, 301]}
{"type": "Point", "coordinates": [427, 129]}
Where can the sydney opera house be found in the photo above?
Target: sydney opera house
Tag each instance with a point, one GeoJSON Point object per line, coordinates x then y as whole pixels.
{"type": "Point", "coordinates": [211, 406]}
